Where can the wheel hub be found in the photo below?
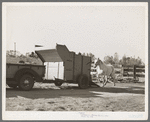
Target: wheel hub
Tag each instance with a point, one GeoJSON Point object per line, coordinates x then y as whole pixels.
{"type": "Point", "coordinates": [26, 81]}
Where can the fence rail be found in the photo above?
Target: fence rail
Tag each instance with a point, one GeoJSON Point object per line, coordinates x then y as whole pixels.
{"type": "Point", "coordinates": [127, 71]}
{"type": "Point", "coordinates": [136, 70]}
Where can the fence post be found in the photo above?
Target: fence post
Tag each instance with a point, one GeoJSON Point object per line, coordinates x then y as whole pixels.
{"type": "Point", "coordinates": [134, 71]}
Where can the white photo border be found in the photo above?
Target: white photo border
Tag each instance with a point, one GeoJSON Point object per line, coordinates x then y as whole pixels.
{"type": "Point", "coordinates": [78, 115]}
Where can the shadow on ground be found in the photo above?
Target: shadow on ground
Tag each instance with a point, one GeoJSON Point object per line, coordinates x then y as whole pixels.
{"type": "Point", "coordinates": [73, 91]}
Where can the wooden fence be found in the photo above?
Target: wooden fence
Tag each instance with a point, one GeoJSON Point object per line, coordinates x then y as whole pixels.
{"type": "Point", "coordinates": [134, 71]}
{"type": "Point", "coordinates": [126, 71]}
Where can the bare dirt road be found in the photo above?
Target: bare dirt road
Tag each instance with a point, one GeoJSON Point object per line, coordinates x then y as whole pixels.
{"type": "Point", "coordinates": [68, 97]}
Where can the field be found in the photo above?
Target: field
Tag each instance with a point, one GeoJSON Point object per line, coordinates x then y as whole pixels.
{"type": "Point", "coordinates": [68, 97]}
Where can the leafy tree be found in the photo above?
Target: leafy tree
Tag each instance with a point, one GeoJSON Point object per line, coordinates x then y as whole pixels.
{"type": "Point", "coordinates": [32, 54]}
{"type": "Point", "coordinates": [12, 53]}
{"type": "Point", "coordinates": [116, 58]}
{"type": "Point", "coordinates": [92, 56]}
{"type": "Point", "coordinates": [130, 61]}
{"type": "Point", "coordinates": [79, 53]}
{"type": "Point", "coordinates": [123, 60]}
{"type": "Point", "coordinates": [84, 54]}
{"type": "Point", "coordinates": [109, 60]}
{"type": "Point", "coordinates": [139, 61]}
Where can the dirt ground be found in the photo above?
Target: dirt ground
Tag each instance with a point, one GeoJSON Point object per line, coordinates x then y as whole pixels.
{"type": "Point", "coordinates": [68, 97]}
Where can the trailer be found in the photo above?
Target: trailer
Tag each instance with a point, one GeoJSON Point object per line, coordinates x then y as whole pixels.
{"type": "Point", "coordinates": [24, 75]}
{"type": "Point", "coordinates": [77, 67]}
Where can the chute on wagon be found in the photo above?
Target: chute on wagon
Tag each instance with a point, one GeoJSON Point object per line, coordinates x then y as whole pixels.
{"type": "Point", "coordinates": [76, 67]}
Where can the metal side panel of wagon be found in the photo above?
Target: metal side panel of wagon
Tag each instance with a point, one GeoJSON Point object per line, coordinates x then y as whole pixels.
{"type": "Point", "coordinates": [76, 68]}
{"type": "Point", "coordinates": [23, 75]}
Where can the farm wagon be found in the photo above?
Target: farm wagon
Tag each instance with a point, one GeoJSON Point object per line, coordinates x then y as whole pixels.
{"type": "Point", "coordinates": [77, 67]}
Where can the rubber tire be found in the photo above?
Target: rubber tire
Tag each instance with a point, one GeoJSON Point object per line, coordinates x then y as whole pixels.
{"type": "Point", "coordinates": [21, 82]}
{"type": "Point", "coordinates": [83, 82]}
{"type": "Point", "coordinates": [58, 83]}
{"type": "Point", "coordinates": [12, 85]}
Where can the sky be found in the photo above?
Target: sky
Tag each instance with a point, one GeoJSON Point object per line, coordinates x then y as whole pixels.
{"type": "Point", "coordinates": [101, 30]}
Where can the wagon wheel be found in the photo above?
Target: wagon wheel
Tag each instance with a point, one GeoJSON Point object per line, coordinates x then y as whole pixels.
{"type": "Point", "coordinates": [12, 85]}
{"type": "Point", "coordinates": [83, 82]}
{"type": "Point", "coordinates": [26, 82]}
{"type": "Point", "coordinates": [58, 83]}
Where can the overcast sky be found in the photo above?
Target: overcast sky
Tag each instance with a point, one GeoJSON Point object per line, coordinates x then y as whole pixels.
{"type": "Point", "coordinates": [101, 30]}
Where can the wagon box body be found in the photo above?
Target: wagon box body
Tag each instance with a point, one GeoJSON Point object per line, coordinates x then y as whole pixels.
{"type": "Point", "coordinates": [75, 65]}
{"type": "Point", "coordinates": [24, 75]}
{"type": "Point", "coordinates": [13, 69]}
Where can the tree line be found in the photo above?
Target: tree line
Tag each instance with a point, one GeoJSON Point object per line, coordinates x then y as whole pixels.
{"type": "Point", "coordinates": [13, 53]}
{"type": "Point", "coordinates": [115, 61]}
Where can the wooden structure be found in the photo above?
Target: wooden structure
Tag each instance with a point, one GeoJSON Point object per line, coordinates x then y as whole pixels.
{"type": "Point", "coordinates": [133, 71]}
{"type": "Point", "coordinates": [77, 67]}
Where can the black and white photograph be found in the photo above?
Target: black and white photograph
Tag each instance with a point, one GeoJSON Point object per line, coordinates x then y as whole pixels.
{"type": "Point", "coordinates": [75, 60]}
